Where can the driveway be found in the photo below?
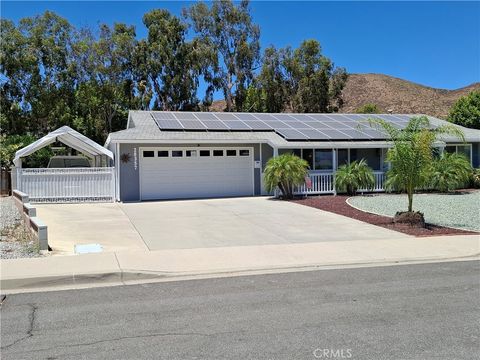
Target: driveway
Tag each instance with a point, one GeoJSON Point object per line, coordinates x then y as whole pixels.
{"type": "Point", "coordinates": [242, 221]}
{"type": "Point", "coordinates": [191, 224]}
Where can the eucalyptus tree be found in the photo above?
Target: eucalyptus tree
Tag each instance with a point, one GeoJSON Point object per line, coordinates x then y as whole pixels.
{"type": "Point", "coordinates": [228, 32]}
{"type": "Point", "coordinates": [168, 62]}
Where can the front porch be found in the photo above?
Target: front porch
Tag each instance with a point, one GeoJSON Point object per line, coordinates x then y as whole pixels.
{"type": "Point", "coordinates": [323, 163]}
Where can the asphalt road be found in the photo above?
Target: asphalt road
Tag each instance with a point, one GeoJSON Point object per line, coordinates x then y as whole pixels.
{"type": "Point", "coordinates": [428, 311]}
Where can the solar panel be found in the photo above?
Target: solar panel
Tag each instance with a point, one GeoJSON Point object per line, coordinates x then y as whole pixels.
{"type": "Point", "coordinates": [296, 124]}
{"type": "Point", "coordinates": [169, 124]}
{"type": "Point", "coordinates": [244, 116]}
{"type": "Point", "coordinates": [257, 125]}
{"type": "Point", "coordinates": [291, 134]}
{"type": "Point", "coordinates": [265, 117]}
{"type": "Point", "coordinates": [283, 117]}
{"type": "Point", "coordinates": [184, 116]}
{"type": "Point", "coordinates": [162, 116]}
{"type": "Point", "coordinates": [336, 135]}
{"type": "Point", "coordinates": [226, 116]}
{"type": "Point", "coordinates": [322, 125]}
{"type": "Point", "coordinates": [192, 125]}
{"type": "Point", "coordinates": [313, 134]}
{"type": "Point", "coordinates": [206, 116]}
{"type": "Point", "coordinates": [374, 134]}
{"type": "Point", "coordinates": [236, 125]}
{"type": "Point", "coordinates": [356, 134]}
{"type": "Point", "coordinates": [215, 125]}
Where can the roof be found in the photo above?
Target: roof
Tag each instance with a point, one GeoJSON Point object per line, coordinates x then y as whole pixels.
{"type": "Point", "coordinates": [262, 127]}
{"type": "Point", "coordinates": [69, 137]}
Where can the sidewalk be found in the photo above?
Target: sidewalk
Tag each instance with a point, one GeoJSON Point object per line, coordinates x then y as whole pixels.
{"type": "Point", "coordinates": [123, 267]}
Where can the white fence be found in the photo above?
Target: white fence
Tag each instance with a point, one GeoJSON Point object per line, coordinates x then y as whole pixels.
{"type": "Point", "coordinates": [324, 183]}
{"type": "Point", "coordinates": [67, 185]}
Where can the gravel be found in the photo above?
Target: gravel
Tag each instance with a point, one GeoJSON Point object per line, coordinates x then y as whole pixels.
{"type": "Point", "coordinates": [15, 240]}
{"type": "Point", "coordinates": [459, 210]}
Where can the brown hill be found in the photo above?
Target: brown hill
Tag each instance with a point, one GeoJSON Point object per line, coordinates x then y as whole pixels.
{"type": "Point", "coordinates": [396, 95]}
{"type": "Point", "coordinates": [392, 94]}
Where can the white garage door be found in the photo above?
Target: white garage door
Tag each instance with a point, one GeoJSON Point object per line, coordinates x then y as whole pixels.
{"type": "Point", "coordinates": [195, 172]}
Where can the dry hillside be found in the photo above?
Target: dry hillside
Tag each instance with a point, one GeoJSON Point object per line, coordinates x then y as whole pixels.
{"type": "Point", "coordinates": [392, 94]}
{"type": "Point", "coordinates": [399, 96]}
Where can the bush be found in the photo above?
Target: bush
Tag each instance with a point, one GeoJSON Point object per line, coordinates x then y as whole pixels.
{"type": "Point", "coordinates": [475, 178]}
{"type": "Point", "coordinates": [354, 176]}
{"type": "Point", "coordinates": [368, 109]}
{"type": "Point", "coordinates": [285, 172]}
{"type": "Point", "coordinates": [466, 111]}
{"type": "Point", "coordinates": [450, 172]}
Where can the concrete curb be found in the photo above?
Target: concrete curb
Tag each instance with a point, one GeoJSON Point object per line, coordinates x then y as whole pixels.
{"type": "Point", "coordinates": [126, 277]}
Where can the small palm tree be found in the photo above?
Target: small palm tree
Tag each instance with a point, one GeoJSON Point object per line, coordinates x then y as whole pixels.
{"type": "Point", "coordinates": [285, 172]}
{"type": "Point", "coordinates": [354, 176]}
{"type": "Point", "coordinates": [411, 154]}
{"type": "Point", "coordinates": [450, 172]}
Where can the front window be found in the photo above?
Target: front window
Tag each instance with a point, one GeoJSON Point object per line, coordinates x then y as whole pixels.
{"type": "Point", "coordinates": [465, 150]}
{"type": "Point", "coordinates": [342, 155]}
{"type": "Point", "coordinates": [323, 159]}
{"type": "Point", "coordinates": [371, 156]}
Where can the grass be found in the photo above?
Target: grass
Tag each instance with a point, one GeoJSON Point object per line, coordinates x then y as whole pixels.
{"type": "Point", "coordinates": [460, 210]}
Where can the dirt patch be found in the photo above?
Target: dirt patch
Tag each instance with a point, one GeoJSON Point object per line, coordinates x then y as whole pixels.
{"type": "Point", "coordinates": [338, 205]}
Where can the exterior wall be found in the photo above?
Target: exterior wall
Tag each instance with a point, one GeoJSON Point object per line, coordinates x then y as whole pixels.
{"type": "Point", "coordinates": [129, 171]}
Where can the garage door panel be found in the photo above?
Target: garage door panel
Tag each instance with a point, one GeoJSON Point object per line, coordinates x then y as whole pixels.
{"type": "Point", "coordinates": [181, 177]}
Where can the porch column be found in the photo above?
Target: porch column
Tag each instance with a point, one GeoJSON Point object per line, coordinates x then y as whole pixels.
{"type": "Point", "coordinates": [334, 157]}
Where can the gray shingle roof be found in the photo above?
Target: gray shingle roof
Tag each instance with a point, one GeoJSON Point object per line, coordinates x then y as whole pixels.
{"type": "Point", "coordinates": [141, 126]}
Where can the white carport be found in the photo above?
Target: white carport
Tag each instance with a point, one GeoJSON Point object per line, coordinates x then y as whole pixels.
{"type": "Point", "coordinates": [67, 184]}
{"type": "Point", "coordinates": [69, 137]}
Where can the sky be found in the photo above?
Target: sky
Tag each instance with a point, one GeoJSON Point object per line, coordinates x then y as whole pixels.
{"type": "Point", "coordinates": [431, 43]}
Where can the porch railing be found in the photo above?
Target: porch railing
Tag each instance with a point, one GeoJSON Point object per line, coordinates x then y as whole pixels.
{"type": "Point", "coordinates": [323, 183]}
{"type": "Point", "coordinates": [67, 185]}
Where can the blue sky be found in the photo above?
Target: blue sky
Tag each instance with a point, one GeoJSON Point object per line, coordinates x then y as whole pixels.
{"type": "Point", "coordinates": [431, 43]}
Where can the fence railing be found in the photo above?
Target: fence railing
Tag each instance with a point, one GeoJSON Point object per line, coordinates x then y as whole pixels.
{"type": "Point", "coordinates": [324, 184]}
{"type": "Point", "coordinates": [321, 184]}
{"type": "Point", "coordinates": [68, 184]}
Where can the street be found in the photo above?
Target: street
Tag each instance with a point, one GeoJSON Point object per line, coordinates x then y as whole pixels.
{"type": "Point", "coordinates": [427, 311]}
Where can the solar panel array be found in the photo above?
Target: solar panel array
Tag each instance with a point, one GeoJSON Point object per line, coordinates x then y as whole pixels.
{"type": "Point", "coordinates": [289, 126]}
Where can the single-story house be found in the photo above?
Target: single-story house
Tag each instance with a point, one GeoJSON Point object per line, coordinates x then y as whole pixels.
{"type": "Point", "coordinates": [174, 155]}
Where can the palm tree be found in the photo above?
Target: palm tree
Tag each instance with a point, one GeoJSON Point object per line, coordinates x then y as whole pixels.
{"type": "Point", "coordinates": [450, 171]}
{"type": "Point", "coordinates": [411, 155]}
{"type": "Point", "coordinates": [285, 172]}
{"type": "Point", "coordinates": [354, 176]}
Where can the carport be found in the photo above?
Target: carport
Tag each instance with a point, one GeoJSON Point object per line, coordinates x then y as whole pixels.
{"type": "Point", "coordinates": [67, 184]}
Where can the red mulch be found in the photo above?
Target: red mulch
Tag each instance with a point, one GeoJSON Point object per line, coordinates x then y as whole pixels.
{"type": "Point", "coordinates": [338, 205]}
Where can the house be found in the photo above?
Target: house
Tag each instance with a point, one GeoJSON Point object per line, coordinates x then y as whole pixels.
{"type": "Point", "coordinates": [174, 155]}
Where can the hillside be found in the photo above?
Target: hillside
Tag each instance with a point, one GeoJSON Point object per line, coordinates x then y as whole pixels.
{"type": "Point", "coordinates": [399, 96]}
{"type": "Point", "coordinates": [393, 94]}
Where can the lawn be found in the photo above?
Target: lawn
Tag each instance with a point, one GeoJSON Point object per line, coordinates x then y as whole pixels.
{"type": "Point", "coordinates": [453, 210]}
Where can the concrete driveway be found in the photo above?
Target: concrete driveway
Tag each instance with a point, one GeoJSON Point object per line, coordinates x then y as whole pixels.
{"type": "Point", "coordinates": [242, 221]}
{"type": "Point", "coordinates": [191, 224]}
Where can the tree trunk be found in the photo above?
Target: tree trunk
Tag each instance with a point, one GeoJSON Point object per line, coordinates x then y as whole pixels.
{"type": "Point", "coordinates": [410, 200]}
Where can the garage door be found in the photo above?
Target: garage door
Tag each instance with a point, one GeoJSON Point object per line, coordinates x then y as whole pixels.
{"type": "Point", "coordinates": [195, 173]}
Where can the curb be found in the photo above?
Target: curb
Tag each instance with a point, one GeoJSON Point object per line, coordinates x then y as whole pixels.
{"type": "Point", "coordinates": [116, 278]}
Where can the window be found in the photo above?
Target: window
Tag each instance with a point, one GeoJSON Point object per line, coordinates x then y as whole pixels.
{"type": "Point", "coordinates": [177, 153]}
{"type": "Point", "coordinates": [371, 156]}
{"type": "Point", "coordinates": [163, 153]}
{"type": "Point", "coordinates": [307, 155]}
{"type": "Point", "coordinates": [217, 152]}
{"type": "Point", "coordinates": [149, 154]}
{"type": "Point", "coordinates": [323, 159]}
{"type": "Point", "coordinates": [244, 152]}
{"type": "Point", "coordinates": [191, 153]}
{"type": "Point", "coordinates": [465, 150]}
{"type": "Point", "coordinates": [342, 157]}
{"type": "Point", "coordinates": [231, 152]}
{"type": "Point", "coordinates": [204, 152]}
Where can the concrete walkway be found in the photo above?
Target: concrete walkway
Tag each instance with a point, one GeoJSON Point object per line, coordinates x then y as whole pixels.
{"type": "Point", "coordinates": [125, 267]}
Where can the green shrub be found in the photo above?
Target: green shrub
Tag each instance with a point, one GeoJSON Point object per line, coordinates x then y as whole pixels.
{"type": "Point", "coordinates": [285, 172]}
{"type": "Point", "coordinates": [475, 178]}
{"type": "Point", "coordinates": [450, 172]}
{"type": "Point", "coordinates": [354, 176]}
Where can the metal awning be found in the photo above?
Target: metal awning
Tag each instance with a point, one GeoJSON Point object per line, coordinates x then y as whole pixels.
{"type": "Point", "coordinates": [69, 137]}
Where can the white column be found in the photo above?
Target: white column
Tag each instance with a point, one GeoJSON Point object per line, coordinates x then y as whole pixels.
{"type": "Point", "coordinates": [334, 156]}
